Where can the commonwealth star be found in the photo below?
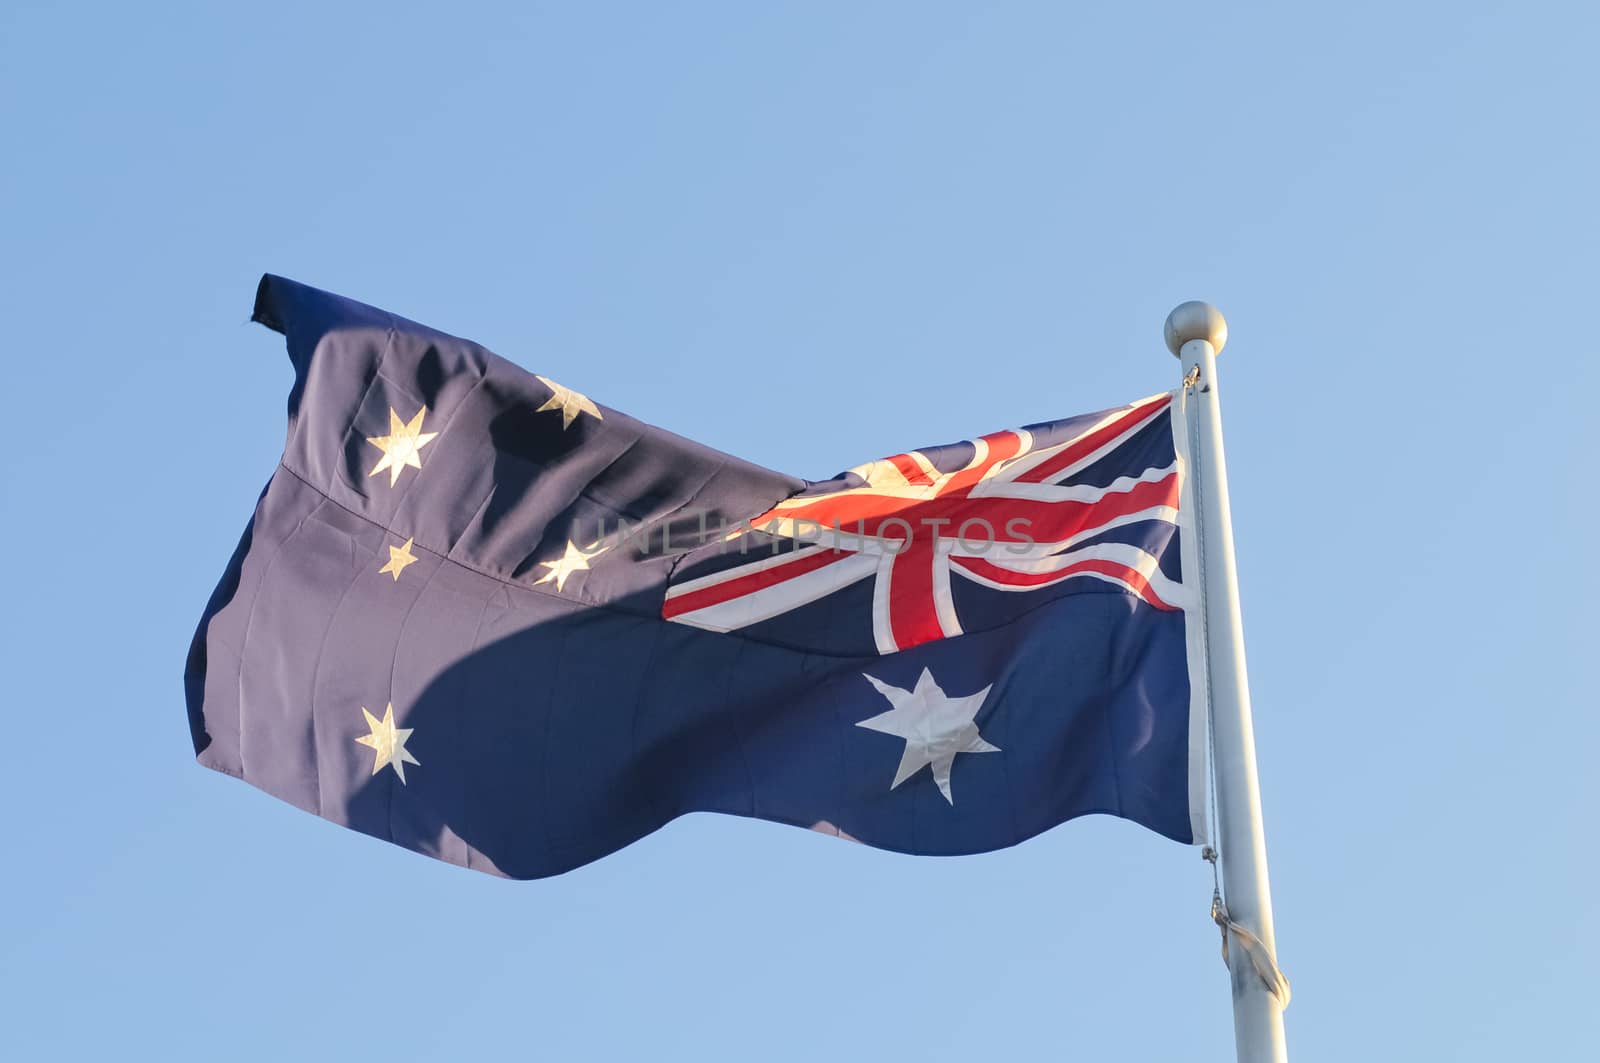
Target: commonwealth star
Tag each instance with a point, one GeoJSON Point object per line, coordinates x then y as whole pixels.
{"type": "Point", "coordinates": [936, 728]}
{"type": "Point", "coordinates": [402, 446]}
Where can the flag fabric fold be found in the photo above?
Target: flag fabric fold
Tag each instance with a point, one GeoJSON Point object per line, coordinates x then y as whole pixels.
{"type": "Point", "coordinates": [484, 617]}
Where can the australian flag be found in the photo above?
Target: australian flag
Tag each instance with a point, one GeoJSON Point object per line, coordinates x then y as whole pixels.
{"type": "Point", "coordinates": [481, 616]}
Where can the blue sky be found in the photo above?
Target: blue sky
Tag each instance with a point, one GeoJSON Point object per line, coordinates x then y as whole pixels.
{"type": "Point", "coordinates": [811, 235]}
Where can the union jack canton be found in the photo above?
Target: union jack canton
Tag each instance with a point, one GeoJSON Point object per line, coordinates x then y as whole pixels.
{"type": "Point", "coordinates": [1031, 513]}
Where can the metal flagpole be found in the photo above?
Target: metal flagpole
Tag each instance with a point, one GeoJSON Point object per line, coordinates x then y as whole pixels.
{"type": "Point", "coordinates": [1196, 332]}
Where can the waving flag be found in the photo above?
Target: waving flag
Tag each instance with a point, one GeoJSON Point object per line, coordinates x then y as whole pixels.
{"type": "Point", "coordinates": [484, 617]}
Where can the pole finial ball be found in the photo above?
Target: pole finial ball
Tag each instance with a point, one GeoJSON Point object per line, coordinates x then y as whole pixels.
{"type": "Point", "coordinates": [1195, 321]}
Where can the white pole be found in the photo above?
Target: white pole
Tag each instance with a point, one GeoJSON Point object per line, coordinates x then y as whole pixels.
{"type": "Point", "coordinates": [1196, 332]}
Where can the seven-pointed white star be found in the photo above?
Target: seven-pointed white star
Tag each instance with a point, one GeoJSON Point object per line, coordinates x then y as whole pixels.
{"type": "Point", "coordinates": [402, 446]}
{"type": "Point", "coordinates": [935, 726]}
{"type": "Point", "coordinates": [574, 560]}
{"type": "Point", "coordinates": [569, 402]}
{"type": "Point", "coordinates": [387, 742]}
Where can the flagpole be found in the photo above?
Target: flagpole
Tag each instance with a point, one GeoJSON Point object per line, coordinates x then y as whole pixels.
{"type": "Point", "coordinates": [1196, 332]}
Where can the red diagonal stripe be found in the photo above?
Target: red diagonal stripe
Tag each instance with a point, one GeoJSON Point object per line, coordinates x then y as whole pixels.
{"type": "Point", "coordinates": [755, 581]}
{"type": "Point", "coordinates": [1093, 441]}
{"type": "Point", "coordinates": [1049, 521]}
{"type": "Point", "coordinates": [910, 469]}
{"type": "Point", "coordinates": [1002, 446]}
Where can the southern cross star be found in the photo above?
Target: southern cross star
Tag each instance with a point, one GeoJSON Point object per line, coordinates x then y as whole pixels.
{"type": "Point", "coordinates": [935, 726]}
{"type": "Point", "coordinates": [399, 558]}
{"type": "Point", "coordinates": [575, 559]}
{"type": "Point", "coordinates": [402, 446]}
{"type": "Point", "coordinates": [388, 742]}
{"type": "Point", "coordinates": [569, 402]}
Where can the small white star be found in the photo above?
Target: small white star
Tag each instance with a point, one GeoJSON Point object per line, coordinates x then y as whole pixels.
{"type": "Point", "coordinates": [388, 743]}
{"type": "Point", "coordinates": [399, 558]}
{"type": "Point", "coordinates": [935, 726]}
{"type": "Point", "coordinates": [575, 559]}
{"type": "Point", "coordinates": [569, 402]}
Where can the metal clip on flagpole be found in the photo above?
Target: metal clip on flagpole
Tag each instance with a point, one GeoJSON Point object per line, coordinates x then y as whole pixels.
{"type": "Point", "coordinates": [1196, 332]}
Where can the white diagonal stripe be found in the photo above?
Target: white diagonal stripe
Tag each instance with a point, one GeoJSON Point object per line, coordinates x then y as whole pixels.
{"type": "Point", "coordinates": [780, 598]}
